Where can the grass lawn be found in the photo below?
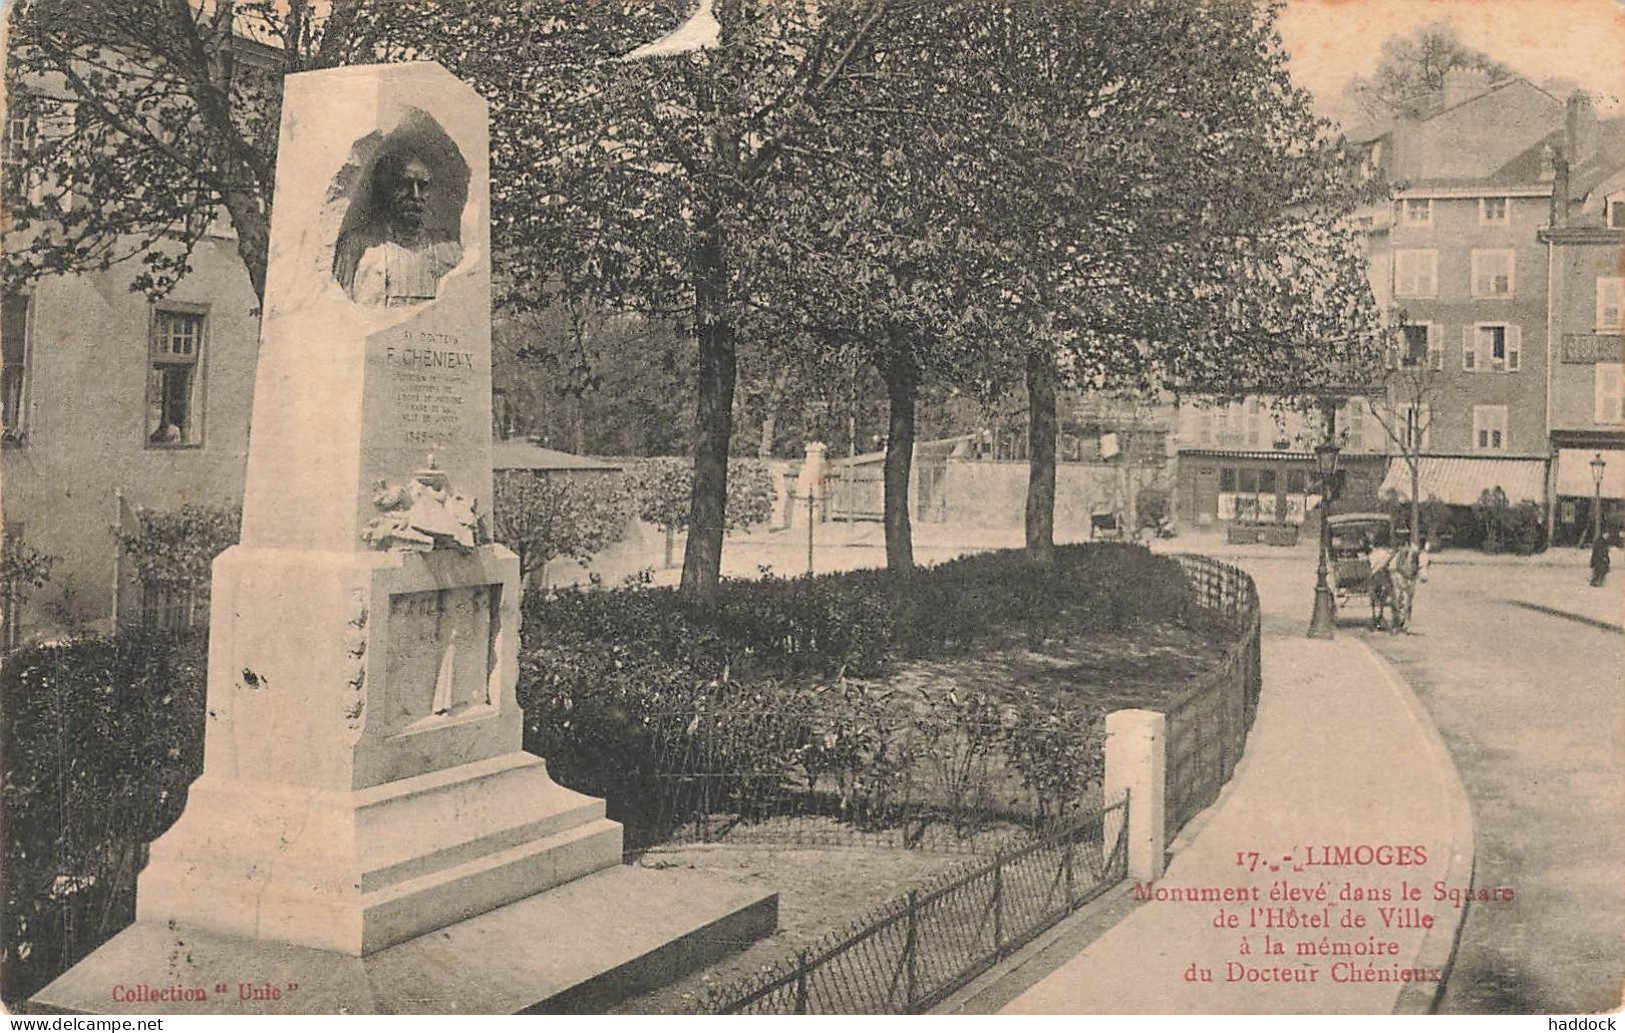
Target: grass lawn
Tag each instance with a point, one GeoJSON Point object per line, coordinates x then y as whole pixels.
{"type": "Point", "coordinates": [820, 891]}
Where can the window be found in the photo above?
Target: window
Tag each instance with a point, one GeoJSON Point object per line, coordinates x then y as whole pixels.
{"type": "Point", "coordinates": [1266, 482]}
{"type": "Point", "coordinates": [1616, 213]}
{"type": "Point", "coordinates": [1610, 302]}
{"type": "Point", "coordinates": [22, 133]}
{"type": "Point", "coordinates": [1255, 422]}
{"type": "Point", "coordinates": [1418, 211]}
{"type": "Point", "coordinates": [1227, 478]}
{"type": "Point", "coordinates": [1610, 399]}
{"type": "Point", "coordinates": [1416, 274]}
{"type": "Point", "coordinates": [1495, 210]}
{"type": "Point", "coordinates": [1247, 481]}
{"type": "Point", "coordinates": [174, 410]}
{"type": "Point", "coordinates": [1353, 420]}
{"type": "Point", "coordinates": [14, 364]}
{"type": "Point", "coordinates": [1491, 348]}
{"type": "Point", "coordinates": [1490, 428]}
{"type": "Point", "coordinates": [1492, 273]}
{"type": "Point", "coordinates": [1420, 343]}
{"type": "Point", "coordinates": [1297, 482]}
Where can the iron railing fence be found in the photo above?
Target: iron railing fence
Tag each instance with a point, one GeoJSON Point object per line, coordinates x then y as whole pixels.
{"type": "Point", "coordinates": [913, 952]}
{"type": "Point", "coordinates": [176, 605]}
{"type": "Point", "coordinates": [1208, 723]}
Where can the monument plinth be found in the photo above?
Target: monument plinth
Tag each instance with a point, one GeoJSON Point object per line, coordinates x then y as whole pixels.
{"type": "Point", "coordinates": [363, 781]}
{"type": "Point", "coordinates": [364, 784]}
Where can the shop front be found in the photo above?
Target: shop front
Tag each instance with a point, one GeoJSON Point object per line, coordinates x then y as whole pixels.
{"type": "Point", "coordinates": [1225, 487]}
{"type": "Point", "coordinates": [1577, 493]}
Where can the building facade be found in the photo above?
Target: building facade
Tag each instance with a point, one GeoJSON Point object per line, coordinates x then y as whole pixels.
{"type": "Point", "coordinates": [1498, 263]}
{"type": "Point", "coordinates": [1457, 265]}
{"type": "Point", "coordinates": [112, 401]}
{"type": "Point", "coordinates": [1586, 255]}
{"type": "Point", "coordinates": [108, 394]}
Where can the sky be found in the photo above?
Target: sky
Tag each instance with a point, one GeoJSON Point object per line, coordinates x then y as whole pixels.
{"type": "Point", "coordinates": [1582, 41]}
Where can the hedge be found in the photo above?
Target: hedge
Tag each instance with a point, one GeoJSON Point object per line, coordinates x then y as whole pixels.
{"type": "Point", "coordinates": [100, 740]}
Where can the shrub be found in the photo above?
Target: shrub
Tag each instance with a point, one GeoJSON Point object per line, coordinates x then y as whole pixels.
{"type": "Point", "coordinates": [170, 553]}
{"type": "Point", "coordinates": [23, 568]}
{"type": "Point", "coordinates": [101, 739]}
{"type": "Point", "coordinates": [661, 489]}
{"type": "Point", "coordinates": [1435, 516]}
{"type": "Point", "coordinates": [1506, 527]}
{"type": "Point", "coordinates": [603, 674]}
{"type": "Point", "coordinates": [178, 546]}
{"type": "Point", "coordinates": [543, 517]}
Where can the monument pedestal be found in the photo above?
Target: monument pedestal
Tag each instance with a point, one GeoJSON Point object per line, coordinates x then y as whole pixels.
{"type": "Point", "coordinates": [363, 782]}
{"type": "Point", "coordinates": [367, 826]}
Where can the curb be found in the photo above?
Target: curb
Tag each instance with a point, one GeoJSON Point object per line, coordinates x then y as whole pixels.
{"type": "Point", "coordinates": [1439, 944]}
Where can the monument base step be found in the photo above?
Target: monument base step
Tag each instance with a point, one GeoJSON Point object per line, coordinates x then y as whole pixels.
{"type": "Point", "coordinates": [580, 948]}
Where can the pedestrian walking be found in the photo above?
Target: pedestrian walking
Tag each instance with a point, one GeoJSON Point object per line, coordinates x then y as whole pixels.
{"type": "Point", "coordinates": [1599, 561]}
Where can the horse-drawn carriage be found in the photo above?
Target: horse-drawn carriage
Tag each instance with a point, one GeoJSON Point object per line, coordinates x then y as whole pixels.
{"type": "Point", "coordinates": [1355, 538]}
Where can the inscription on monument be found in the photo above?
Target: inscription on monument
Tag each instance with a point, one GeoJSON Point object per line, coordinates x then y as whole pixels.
{"type": "Point", "coordinates": [430, 379]}
{"type": "Point", "coordinates": [441, 648]}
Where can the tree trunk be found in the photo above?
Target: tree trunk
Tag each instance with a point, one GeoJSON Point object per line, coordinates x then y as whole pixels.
{"type": "Point", "coordinates": [713, 419]}
{"type": "Point", "coordinates": [253, 237]}
{"type": "Point", "coordinates": [770, 418]}
{"type": "Point", "coordinates": [1042, 431]}
{"type": "Point", "coordinates": [1416, 501]}
{"type": "Point", "coordinates": [902, 381]}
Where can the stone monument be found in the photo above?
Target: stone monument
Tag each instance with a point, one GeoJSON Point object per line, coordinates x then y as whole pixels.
{"type": "Point", "coordinates": [363, 779]}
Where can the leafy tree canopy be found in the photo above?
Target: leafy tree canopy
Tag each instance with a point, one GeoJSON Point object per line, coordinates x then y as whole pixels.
{"type": "Point", "coordinates": [1410, 76]}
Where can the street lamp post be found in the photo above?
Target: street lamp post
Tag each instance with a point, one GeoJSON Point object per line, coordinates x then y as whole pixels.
{"type": "Point", "coordinates": [1323, 622]}
{"type": "Point", "coordinates": [1598, 464]}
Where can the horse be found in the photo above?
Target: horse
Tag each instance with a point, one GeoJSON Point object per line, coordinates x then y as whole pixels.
{"type": "Point", "coordinates": [1384, 600]}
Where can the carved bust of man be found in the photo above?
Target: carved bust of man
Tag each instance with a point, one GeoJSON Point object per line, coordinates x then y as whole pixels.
{"type": "Point", "coordinates": [391, 259]}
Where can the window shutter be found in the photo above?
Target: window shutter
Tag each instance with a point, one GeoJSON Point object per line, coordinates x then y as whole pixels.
{"type": "Point", "coordinates": [1469, 353]}
{"type": "Point", "coordinates": [1514, 348]}
{"type": "Point", "coordinates": [1435, 348]}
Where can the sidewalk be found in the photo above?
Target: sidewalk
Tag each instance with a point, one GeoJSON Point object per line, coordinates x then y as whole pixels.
{"type": "Point", "coordinates": [1342, 755]}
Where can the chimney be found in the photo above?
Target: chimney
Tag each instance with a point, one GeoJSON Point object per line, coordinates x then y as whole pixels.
{"type": "Point", "coordinates": [1463, 83]}
{"type": "Point", "coordinates": [1580, 128]}
{"type": "Point", "coordinates": [1560, 190]}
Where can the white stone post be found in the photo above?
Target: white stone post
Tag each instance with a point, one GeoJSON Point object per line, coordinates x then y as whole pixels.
{"type": "Point", "coordinates": [1137, 762]}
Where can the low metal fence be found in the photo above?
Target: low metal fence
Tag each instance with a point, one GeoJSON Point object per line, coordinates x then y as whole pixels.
{"type": "Point", "coordinates": [1208, 724]}
{"type": "Point", "coordinates": [917, 950]}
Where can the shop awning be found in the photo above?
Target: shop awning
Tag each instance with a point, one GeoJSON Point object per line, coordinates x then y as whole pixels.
{"type": "Point", "coordinates": [1574, 473]}
{"type": "Point", "coordinates": [1460, 480]}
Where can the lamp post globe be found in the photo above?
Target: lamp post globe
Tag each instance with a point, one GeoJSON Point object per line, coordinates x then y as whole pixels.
{"type": "Point", "coordinates": [1324, 621]}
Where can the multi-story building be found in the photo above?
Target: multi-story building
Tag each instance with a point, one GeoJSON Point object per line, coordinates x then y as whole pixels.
{"type": "Point", "coordinates": [1586, 255]}
{"type": "Point", "coordinates": [1456, 259]}
{"type": "Point", "coordinates": [1498, 263]}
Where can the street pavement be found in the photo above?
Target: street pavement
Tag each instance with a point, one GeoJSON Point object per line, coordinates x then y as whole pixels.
{"type": "Point", "coordinates": [1530, 704]}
